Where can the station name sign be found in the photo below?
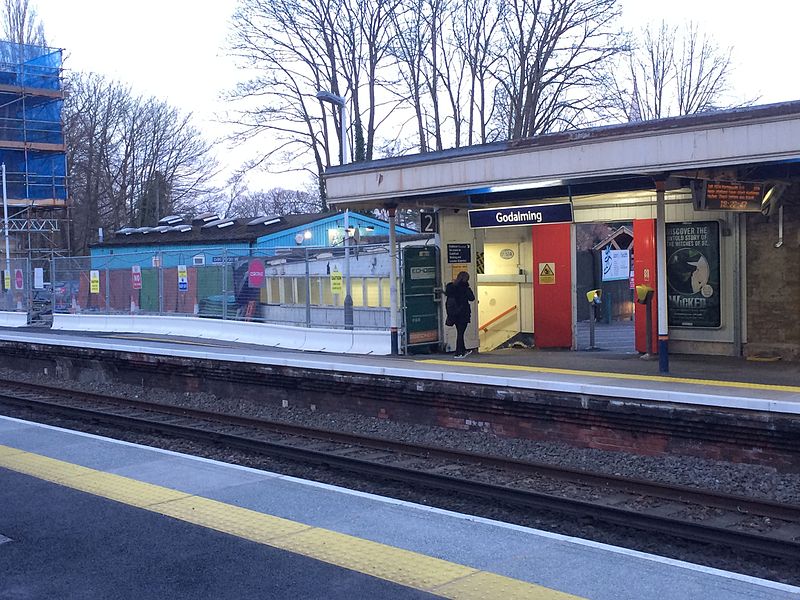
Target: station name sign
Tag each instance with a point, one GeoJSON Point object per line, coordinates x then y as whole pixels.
{"type": "Point", "coordinates": [742, 196]}
{"type": "Point", "coordinates": [511, 216]}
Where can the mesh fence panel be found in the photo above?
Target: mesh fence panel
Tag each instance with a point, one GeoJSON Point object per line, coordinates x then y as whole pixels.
{"type": "Point", "coordinates": [17, 286]}
{"type": "Point", "coordinates": [305, 286]}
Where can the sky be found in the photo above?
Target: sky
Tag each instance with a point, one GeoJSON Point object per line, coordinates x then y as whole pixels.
{"type": "Point", "coordinates": [174, 49]}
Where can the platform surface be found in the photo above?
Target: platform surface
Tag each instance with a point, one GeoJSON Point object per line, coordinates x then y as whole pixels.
{"type": "Point", "coordinates": [88, 517]}
{"type": "Point", "coordinates": [699, 380]}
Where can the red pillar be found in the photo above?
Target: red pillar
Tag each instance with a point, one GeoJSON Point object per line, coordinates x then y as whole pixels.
{"type": "Point", "coordinates": [644, 273]}
{"type": "Point", "coordinates": [552, 294]}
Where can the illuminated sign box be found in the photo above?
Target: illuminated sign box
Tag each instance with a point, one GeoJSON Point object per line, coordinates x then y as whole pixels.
{"type": "Point", "coordinates": [513, 216]}
{"type": "Point", "coordinates": [739, 196]}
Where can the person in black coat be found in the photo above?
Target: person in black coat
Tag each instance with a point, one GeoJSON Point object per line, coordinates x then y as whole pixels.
{"type": "Point", "coordinates": [459, 313]}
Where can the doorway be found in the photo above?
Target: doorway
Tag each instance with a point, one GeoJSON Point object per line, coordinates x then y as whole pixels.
{"type": "Point", "coordinates": [604, 261]}
{"type": "Point", "coordinates": [504, 291]}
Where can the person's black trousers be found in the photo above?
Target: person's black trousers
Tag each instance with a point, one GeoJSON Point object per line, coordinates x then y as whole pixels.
{"type": "Point", "coordinates": [460, 329]}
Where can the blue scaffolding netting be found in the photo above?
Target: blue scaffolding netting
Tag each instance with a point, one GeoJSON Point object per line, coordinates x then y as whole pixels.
{"type": "Point", "coordinates": [31, 131]}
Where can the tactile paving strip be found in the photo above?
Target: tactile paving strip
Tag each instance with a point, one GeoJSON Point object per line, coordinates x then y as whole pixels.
{"type": "Point", "coordinates": [433, 575]}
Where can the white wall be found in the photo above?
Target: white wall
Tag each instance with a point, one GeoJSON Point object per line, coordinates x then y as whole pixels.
{"type": "Point", "coordinates": [281, 336]}
{"type": "Point", "coordinates": [13, 319]}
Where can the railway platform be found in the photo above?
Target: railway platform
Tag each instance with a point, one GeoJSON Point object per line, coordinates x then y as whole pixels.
{"type": "Point", "coordinates": [89, 517]}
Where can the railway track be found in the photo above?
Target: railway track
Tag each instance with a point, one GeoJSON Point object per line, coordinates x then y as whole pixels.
{"type": "Point", "coordinates": [750, 525]}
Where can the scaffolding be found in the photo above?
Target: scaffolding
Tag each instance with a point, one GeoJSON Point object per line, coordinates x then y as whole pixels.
{"type": "Point", "coordinates": [33, 150]}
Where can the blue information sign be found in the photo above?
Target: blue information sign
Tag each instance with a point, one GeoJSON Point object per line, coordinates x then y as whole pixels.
{"type": "Point", "coordinates": [511, 216]}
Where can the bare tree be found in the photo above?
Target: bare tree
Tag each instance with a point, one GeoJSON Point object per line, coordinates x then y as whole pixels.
{"type": "Point", "coordinates": [552, 54]}
{"type": "Point", "coordinates": [702, 72]}
{"type": "Point", "coordinates": [410, 46]}
{"type": "Point", "coordinates": [131, 160]}
{"type": "Point", "coordinates": [277, 201]}
{"type": "Point", "coordinates": [476, 38]}
{"type": "Point", "coordinates": [456, 71]}
{"type": "Point", "coordinates": [21, 23]}
{"type": "Point", "coordinates": [671, 71]}
{"type": "Point", "coordinates": [288, 47]}
{"type": "Point", "coordinates": [363, 34]}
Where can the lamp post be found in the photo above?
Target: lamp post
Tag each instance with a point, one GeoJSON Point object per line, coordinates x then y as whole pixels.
{"type": "Point", "coordinates": [323, 96]}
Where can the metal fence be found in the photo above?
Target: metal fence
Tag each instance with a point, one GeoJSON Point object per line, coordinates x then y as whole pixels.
{"type": "Point", "coordinates": [17, 285]}
{"type": "Point", "coordinates": [297, 286]}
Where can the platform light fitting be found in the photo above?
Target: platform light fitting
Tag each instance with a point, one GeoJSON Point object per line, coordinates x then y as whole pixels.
{"type": "Point", "coordinates": [772, 197]}
{"type": "Point", "coordinates": [527, 186]}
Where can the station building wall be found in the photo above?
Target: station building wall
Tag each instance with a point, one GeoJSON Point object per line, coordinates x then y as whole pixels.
{"type": "Point", "coordinates": [773, 277]}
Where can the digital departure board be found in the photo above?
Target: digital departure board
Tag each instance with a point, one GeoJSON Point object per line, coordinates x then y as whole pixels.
{"type": "Point", "coordinates": [740, 196]}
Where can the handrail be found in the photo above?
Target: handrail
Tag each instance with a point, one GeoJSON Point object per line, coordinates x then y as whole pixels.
{"type": "Point", "coordinates": [485, 326]}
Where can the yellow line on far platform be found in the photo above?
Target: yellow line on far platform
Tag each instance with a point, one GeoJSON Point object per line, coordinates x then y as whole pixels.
{"type": "Point", "coordinates": [410, 569]}
{"type": "Point", "coordinates": [164, 340]}
{"type": "Point", "coordinates": [624, 376]}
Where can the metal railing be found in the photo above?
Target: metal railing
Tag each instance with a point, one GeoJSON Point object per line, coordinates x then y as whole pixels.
{"type": "Point", "coordinates": [493, 320]}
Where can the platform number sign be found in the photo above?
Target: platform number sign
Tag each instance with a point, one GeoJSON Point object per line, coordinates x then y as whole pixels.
{"type": "Point", "coordinates": [428, 221]}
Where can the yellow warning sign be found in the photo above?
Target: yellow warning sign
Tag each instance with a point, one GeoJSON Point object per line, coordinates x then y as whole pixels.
{"type": "Point", "coordinates": [547, 273]}
{"type": "Point", "coordinates": [336, 282]}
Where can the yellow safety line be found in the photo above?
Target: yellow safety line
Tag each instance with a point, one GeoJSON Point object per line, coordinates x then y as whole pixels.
{"type": "Point", "coordinates": [410, 569]}
{"type": "Point", "coordinates": [163, 340]}
{"type": "Point", "coordinates": [627, 376]}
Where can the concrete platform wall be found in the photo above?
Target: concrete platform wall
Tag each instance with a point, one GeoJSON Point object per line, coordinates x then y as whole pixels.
{"type": "Point", "coordinates": [279, 336]}
{"type": "Point", "coordinates": [13, 319]}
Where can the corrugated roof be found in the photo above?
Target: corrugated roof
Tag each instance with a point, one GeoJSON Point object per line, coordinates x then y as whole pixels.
{"type": "Point", "coordinates": [239, 231]}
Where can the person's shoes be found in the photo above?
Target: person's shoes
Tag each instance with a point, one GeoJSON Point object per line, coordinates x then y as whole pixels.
{"type": "Point", "coordinates": [467, 353]}
{"type": "Point", "coordinates": [459, 355]}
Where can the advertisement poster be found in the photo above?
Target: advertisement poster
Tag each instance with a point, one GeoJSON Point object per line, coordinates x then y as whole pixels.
{"type": "Point", "coordinates": [616, 264]}
{"type": "Point", "coordinates": [693, 274]}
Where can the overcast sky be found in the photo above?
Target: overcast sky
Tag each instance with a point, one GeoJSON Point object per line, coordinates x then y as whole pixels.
{"type": "Point", "coordinates": [173, 49]}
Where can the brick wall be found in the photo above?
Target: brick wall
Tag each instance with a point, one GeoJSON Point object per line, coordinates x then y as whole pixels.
{"type": "Point", "coordinates": [773, 282]}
